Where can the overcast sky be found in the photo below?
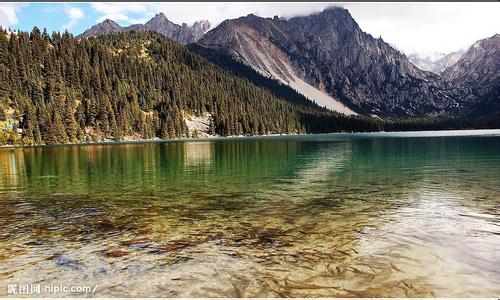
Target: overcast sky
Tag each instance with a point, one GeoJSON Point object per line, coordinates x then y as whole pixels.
{"type": "Point", "coordinates": [410, 27]}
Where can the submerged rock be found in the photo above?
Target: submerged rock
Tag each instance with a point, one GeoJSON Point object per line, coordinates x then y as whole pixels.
{"type": "Point", "coordinates": [66, 261]}
{"type": "Point", "coordinates": [113, 252]}
{"type": "Point", "coordinates": [137, 243]}
{"type": "Point", "coordinates": [145, 230]}
{"type": "Point", "coordinates": [177, 246]}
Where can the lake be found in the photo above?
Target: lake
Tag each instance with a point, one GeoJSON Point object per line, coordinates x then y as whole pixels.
{"type": "Point", "coordinates": [335, 215]}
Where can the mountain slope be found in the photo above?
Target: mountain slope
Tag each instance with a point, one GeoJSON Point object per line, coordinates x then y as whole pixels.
{"type": "Point", "coordinates": [477, 73]}
{"type": "Point", "coordinates": [329, 52]}
{"type": "Point", "coordinates": [137, 85]}
{"type": "Point", "coordinates": [480, 63]}
{"type": "Point", "coordinates": [159, 23]}
{"type": "Point", "coordinates": [270, 61]}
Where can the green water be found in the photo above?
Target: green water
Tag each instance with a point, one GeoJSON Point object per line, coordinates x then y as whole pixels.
{"type": "Point", "coordinates": [388, 214]}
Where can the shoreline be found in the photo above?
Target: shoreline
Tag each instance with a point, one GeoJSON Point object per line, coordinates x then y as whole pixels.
{"type": "Point", "coordinates": [237, 137]}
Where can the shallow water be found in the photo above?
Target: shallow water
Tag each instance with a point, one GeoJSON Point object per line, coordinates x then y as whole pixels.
{"type": "Point", "coordinates": [387, 214]}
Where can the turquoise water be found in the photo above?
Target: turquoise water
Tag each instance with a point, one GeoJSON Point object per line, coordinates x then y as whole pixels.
{"type": "Point", "coordinates": [382, 214]}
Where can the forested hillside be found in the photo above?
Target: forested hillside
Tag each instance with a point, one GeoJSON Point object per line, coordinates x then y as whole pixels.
{"type": "Point", "coordinates": [58, 89]}
{"type": "Point", "coordinates": [130, 86]}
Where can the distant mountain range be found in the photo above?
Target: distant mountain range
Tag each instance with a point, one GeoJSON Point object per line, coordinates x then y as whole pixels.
{"type": "Point", "coordinates": [435, 62]}
{"type": "Point", "coordinates": [327, 58]}
{"type": "Point", "coordinates": [182, 34]}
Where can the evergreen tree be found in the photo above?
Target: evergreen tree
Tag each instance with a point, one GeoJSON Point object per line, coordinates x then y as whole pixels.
{"type": "Point", "coordinates": [63, 89]}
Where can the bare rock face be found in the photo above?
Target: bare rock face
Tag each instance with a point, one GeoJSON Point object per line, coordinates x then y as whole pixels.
{"type": "Point", "coordinates": [105, 27]}
{"type": "Point", "coordinates": [481, 62]}
{"type": "Point", "coordinates": [194, 33]}
{"type": "Point", "coordinates": [477, 74]}
{"type": "Point", "coordinates": [327, 58]}
{"type": "Point", "coordinates": [159, 23]}
{"type": "Point", "coordinates": [329, 52]}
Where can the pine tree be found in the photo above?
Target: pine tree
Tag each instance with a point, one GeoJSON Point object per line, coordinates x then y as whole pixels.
{"type": "Point", "coordinates": [62, 89]}
{"type": "Point", "coordinates": [72, 127]}
{"type": "Point", "coordinates": [56, 131]}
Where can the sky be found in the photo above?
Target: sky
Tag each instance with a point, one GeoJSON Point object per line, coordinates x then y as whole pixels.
{"type": "Point", "coordinates": [410, 27]}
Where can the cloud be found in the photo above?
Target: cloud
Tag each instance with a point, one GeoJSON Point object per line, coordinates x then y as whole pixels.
{"type": "Point", "coordinates": [190, 12]}
{"type": "Point", "coordinates": [74, 14]}
{"type": "Point", "coordinates": [8, 13]}
{"type": "Point", "coordinates": [427, 27]}
{"type": "Point", "coordinates": [218, 12]}
{"type": "Point", "coordinates": [120, 11]}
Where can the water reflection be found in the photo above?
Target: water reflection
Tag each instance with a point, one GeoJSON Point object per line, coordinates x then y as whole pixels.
{"type": "Point", "coordinates": [198, 154]}
{"type": "Point", "coordinates": [12, 165]}
{"type": "Point", "coordinates": [333, 216]}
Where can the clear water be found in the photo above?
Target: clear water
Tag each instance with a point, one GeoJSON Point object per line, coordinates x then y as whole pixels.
{"type": "Point", "coordinates": [387, 214]}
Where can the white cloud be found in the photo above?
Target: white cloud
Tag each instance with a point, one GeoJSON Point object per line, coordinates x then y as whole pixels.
{"type": "Point", "coordinates": [190, 12]}
{"type": "Point", "coordinates": [428, 27]}
{"type": "Point", "coordinates": [74, 14]}
{"type": "Point", "coordinates": [8, 13]}
{"type": "Point", "coordinates": [117, 11]}
{"type": "Point", "coordinates": [411, 27]}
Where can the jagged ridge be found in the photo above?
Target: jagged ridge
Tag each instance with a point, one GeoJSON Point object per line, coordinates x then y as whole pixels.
{"type": "Point", "coordinates": [331, 53]}
{"type": "Point", "coordinates": [182, 34]}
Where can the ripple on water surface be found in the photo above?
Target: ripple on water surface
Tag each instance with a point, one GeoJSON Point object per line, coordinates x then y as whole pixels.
{"type": "Point", "coordinates": [341, 215]}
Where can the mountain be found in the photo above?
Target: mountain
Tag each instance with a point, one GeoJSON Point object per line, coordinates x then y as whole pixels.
{"type": "Point", "coordinates": [477, 73]}
{"type": "Point", "coordinates": [106, 27]}
{"type": "Point", "coordinates": [329, 59]}
{"type": "Point", "coordinates": [141, 85]}
{"type": "Point", "coordinates": [481, 62]}
{"type": "Point", "coordinates": [137, 85]}
{"type": "Point", "coordinates": [182, 34]}
{"type": "Point", "coordinates": [435, 62]}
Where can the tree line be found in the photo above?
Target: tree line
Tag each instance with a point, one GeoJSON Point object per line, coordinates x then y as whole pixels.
{"type": "Point", "coordinates": [57, 89]}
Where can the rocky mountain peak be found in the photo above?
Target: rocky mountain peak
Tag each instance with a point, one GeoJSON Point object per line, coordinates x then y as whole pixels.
{"type": "Point", "coordinates": [105, 27]}
{"type": "Point", "coordinates": [334, 11]}
{"type": "Point", "coordinates": [160, 15]}
{"type": "Point", "coordinates": [109, 22]}
{"type": "Point", "coordinates": [203, 25]}
{"type": "Point", "coordinates": [329, 59]}
{"type": "Point", "coordinates": [159, 23]}
{"type": "Point", "coordinates": [159, 18]}
{"type": "Point", "coordinates": [183, 34]}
